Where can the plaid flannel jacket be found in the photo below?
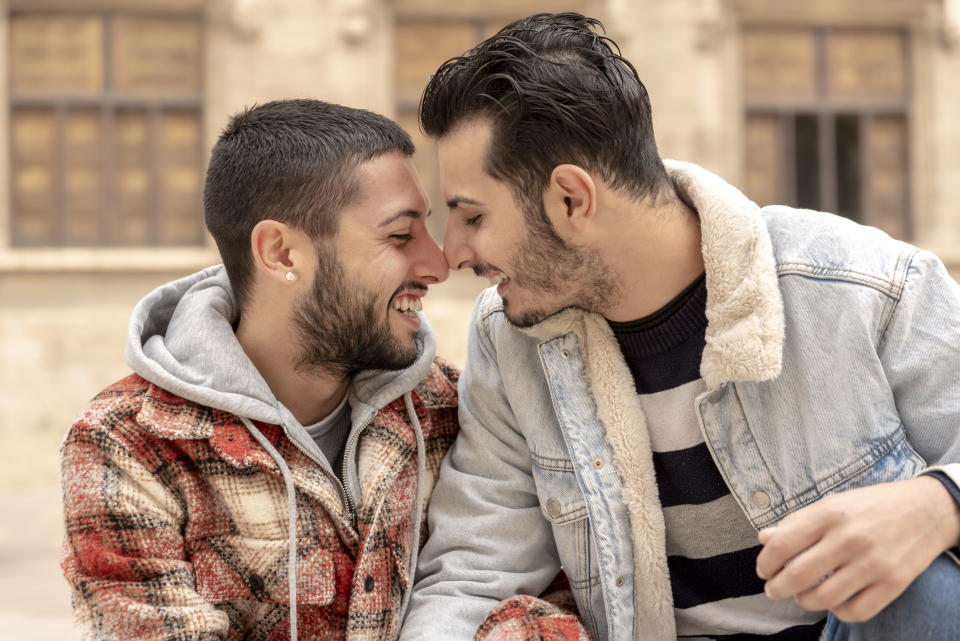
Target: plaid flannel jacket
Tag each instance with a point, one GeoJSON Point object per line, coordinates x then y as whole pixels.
{"type": "Point", "coordinates": [177, 520]}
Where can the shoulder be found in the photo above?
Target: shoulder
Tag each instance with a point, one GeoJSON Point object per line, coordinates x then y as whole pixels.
{"type": "Point", "coordinates": [824, 246]}
{"type": "Point", "coordinates": [133, 410]}
{"type": "Point", "coordinates": [112, 409]}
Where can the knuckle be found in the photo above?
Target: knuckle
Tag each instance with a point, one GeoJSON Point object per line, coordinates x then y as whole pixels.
{"type": "Point", "coordinates": [809, 601]}
{"type": "Point", "coordinates": [827, 595]}
{"type": "Point", "coordinates": [846, 613]}
{"type": "Point", "coordinates": [858, 539]}
{"type": "Point", "coordinates": [791, 574]}
{"type": "Point", "coordinates": [778, 547]}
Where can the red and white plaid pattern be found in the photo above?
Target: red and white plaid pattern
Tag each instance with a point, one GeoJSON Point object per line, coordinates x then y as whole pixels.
{"type": "Point", "coordinates": [177, 527]}
{"type": "Point", "coordinates": [526, 618]}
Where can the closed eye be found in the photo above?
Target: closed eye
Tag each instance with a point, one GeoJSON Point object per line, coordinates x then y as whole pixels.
{"type": "Point", "coordinates": [473, 220]}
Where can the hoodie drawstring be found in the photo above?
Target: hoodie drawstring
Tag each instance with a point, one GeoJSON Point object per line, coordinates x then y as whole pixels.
{"type": "Point", "coordinates": [292, 509]}
{"type": "Point", "coordinates": [421, 454]}
{"type": "Point", "coordinates": [292, 514]}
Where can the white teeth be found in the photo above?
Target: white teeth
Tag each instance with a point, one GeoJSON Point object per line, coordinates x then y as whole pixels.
{"type": "Point", "coordinates": [409, 306]}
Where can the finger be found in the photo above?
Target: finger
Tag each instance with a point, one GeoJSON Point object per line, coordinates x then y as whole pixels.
{"type": "Point", "coordinates": [765, 534]}
{"type": "Point", "coordinates": [788, 539]}
{"type": "Point", "coordinates": [804, 571]}
{"type": "Point", "coordinates": [836, 589]}
{"type": "Point", "coordinates": [867, 604]}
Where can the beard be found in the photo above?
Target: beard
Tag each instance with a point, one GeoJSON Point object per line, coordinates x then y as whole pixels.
{"type": "Point", "coordinates": [343, 328]}
{"type": "Point", "coordinates": [560, 274]}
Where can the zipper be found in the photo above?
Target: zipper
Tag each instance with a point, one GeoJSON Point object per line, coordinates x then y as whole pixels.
{"type": "Point", "coordinates": [346, 458]}
{"type": "Point", "coordinates": [347, 501]}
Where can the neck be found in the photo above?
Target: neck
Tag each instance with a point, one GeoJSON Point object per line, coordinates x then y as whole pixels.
{"type": "Point", "coordinates": [654, 257]}
{"type": "Point", "coordinates": [310, 396]}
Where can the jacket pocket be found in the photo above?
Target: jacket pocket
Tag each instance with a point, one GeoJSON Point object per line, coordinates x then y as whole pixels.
{"type": "Point", "coordinates": [893, 459]}
{"type": "Point", "coordinates": [239, 568]}
{"type": "Point", "coordinates": [563, 505]}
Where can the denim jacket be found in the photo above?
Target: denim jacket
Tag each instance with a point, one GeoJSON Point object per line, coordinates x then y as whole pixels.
{"type": "Point", "coordinates": [832, 361]}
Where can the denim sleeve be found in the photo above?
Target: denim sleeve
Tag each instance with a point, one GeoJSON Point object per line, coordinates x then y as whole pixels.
{"type": "Point", "coordinates": [920, 351]}
{"type": "Point", "coordinates": [488, 539]}
{"type": "Point", "coordinates": [954, 492]}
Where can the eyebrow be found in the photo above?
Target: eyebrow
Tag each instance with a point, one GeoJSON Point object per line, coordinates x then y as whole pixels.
{"type": "Point", "coordinates": [454, 202]}
{"type": "Point", "coordinates": [406, 213]}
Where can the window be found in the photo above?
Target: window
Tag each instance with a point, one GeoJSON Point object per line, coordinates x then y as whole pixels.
{"type": "Point", "coordinates": [422, 44]}
{"type": "Point", "coordinates": [105, 129]}
{"type": "Point", "coordinates": [827, 121]}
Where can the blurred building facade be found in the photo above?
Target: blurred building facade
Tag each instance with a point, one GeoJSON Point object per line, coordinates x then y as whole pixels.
{"type": "Point", "coordinates": [110, 108]}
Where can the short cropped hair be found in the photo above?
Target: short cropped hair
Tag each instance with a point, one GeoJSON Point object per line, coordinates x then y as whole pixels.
{"type": "Point", "coordinates": [293, 161]}
{"type": "Point", "coordinates": [556, 91]}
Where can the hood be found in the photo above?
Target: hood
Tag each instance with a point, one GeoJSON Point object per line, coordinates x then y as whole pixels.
{"type": "Point", "coordinates": [181, 338]}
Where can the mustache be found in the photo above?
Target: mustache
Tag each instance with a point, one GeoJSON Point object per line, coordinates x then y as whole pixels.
{"type": "Point", "coordinates": [485, 270]}
{"type": "Point", "coordinates": [410, 285]}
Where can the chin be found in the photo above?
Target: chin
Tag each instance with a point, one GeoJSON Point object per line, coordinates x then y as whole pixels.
{"type": "Point", "coordinates": [524, 317]}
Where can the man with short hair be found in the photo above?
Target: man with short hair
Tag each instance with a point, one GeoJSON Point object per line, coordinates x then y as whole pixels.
{"type": "Point", "coordinates": [263, 474]}
{"type": "Point", "coordinates": [665, 370]}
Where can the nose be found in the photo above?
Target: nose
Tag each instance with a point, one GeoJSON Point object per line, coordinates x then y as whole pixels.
{"type": "Point", "coordinates": [431, 266]}
{"type": "Point", "coordinates": [458, 253]}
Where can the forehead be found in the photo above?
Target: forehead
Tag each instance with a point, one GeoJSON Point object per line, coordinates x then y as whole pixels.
{"type": "Point", "coordinates": [462, 152]}
{"type": "Point", "coordinates": [386, 185]}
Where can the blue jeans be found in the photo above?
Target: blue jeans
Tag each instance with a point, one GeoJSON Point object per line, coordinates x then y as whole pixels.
{"type": "Point", "coordinates": [929, 610]}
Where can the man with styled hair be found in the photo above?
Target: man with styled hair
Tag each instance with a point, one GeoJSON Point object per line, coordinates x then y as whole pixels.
{"type": "Point", "coordinates": [263, 473]}
{"type": "Point", "coordinates": [720, 421]}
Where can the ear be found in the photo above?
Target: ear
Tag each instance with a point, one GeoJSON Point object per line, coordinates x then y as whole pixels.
{"type": "Point", "coordinates": [278, 251]}
{"type": "Point", "coordinates": [571, 198]}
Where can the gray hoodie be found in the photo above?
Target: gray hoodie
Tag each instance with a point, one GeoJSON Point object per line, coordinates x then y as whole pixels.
{"type": "Point", "coordinates": [181, 339]}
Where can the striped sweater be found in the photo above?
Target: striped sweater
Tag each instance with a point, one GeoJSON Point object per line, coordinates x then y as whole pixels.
{"type": "Point", "coordinates": [711, 547]}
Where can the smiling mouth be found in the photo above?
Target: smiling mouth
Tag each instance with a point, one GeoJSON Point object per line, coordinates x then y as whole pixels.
{"type": "Point", "coordinates": [408, 305]}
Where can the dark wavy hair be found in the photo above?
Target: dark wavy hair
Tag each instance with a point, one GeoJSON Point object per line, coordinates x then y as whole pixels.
{"type": "Point", "coordinates": [556, 90]}
{"type": "Point", "coordinates": [293, 161]}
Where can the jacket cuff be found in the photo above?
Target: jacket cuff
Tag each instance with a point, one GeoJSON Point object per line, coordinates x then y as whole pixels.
{"type": "Point", "coordinates": [943, 474]}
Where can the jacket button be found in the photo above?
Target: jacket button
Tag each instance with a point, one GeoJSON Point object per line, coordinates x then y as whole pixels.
{"type": "Point", "coordinates": [619, 581]}
{"type": "Point", "coordinates": [598, 463]}
{"type": "Point", "coordinates": [368, 583]}
{"type": "Point", "coordinates": [761, 499]}
{"type": "Point", "coordinates": [553, 508]}
{"type": "Point", "coordinates": [565, 354]}
{"type": "Point", "coordinates": [256, 584]}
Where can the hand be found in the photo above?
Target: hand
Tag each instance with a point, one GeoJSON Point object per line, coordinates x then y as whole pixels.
{"type": "Point", "coordinates": [854, 552]}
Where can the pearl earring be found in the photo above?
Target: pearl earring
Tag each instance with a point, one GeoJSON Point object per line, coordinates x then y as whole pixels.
{"type": "Point", "coordinates": [290, 276]}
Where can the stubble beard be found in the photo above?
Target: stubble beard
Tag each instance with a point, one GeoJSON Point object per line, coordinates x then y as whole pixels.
{"type": "Point", "coordinates": [569, 276]}
{"type": "Point", "coordinates": [343, 328]}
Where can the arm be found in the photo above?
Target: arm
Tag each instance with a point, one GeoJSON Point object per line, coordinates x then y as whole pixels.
{"type": "Point", "coordinates": [488, 540]}
{"type": "Point", "coordinates": [124, 553]}
{"type": "Point", "coordinates": [872, 542]}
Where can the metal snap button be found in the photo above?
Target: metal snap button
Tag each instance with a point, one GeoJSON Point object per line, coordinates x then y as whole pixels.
{"type": "Point", "coordinates": [598, 463]}
{"type": "Point", "coordinates": [565, 354]}
{"type": "Point", "coordinates": [619, 581]}
{"type": "Point", "coordinates": [553, 508]}
{"type": "Point", "coordinates": [761, 499]}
